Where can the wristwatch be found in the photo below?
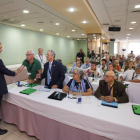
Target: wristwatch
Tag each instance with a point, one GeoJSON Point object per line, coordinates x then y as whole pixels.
{"type": "Point", "coordinates": [34, 79]}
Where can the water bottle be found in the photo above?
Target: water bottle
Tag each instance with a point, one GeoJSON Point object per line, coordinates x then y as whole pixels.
{"type": "Point", "coordinates": [79, 95]}
{"type": "Point", "coordinates": [18, 83]}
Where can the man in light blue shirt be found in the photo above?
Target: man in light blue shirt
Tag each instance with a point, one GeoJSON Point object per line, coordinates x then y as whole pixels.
{"type": "Point", "coordinates": [87, 65]}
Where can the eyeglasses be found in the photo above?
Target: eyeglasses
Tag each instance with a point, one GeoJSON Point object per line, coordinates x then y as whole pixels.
{"type": "Point", "coordinates": [28, 54]}
{"type": "Point", "coordinates": [74, 73]}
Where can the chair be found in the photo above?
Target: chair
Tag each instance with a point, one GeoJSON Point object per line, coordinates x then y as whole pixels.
{"type": "Point", "coordinates": [133, 92]}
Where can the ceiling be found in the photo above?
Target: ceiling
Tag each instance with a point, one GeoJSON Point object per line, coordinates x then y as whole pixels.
{"type": "Point", "coordinates": [117, 13]}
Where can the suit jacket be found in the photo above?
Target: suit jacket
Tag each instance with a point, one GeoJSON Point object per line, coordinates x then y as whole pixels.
{"type": "Point", "coordinates": [118, 91]}
{"type": "Point", "coordinates": [57, 76]}
{"type": "Point", "coordinates": [4, 70]}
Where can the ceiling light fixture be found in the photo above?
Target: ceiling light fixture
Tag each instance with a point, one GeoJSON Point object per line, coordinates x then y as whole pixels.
{"type": "Point", "coordinates": [57, 33]}
{"type": "Point", "coordinates": [95, 37]}
{"type": "Point", "coordinates": [128, 34]}
{"type": "Point", "coordinates": [22, 25]}
{"type": "Point", "coordinates": [130, 28]}
{"type": "Point", "coordinates": [57, 24]}
{"type": "Point", "coordinates": [71, 9]}
{"type": "Point", "coordinates": [93, 34]}
{"type": "Point", "coordinates": [137, 6]}
{"type": "Point", "coordinates": [25, 11]}
{"type": "Point", "coordinates": [133, 22]}
{"type": "Point", "coordinates": [83, 34]}
{"type": "Point", "coordinates": [84, 21]}
{"type": "Point", "coordinates": [68, 36]}
{"type": "Point", "coordinates": [41, 30]}
{"type": "Point", "coordinates": [127, 37]}
{"type": "Point", "coordinates": [73, 30]}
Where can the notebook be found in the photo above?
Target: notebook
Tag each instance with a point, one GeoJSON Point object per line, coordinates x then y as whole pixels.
{"type": "Point", "coordinates": [28, 91]}
{"type": "Point", "coordinates": [32, 85]}
{"type": "Point", "coordinates": [112, 104]}
{"type": "Point", "coordinates": [136, 109]}
{"type": "Point", "coordinates": [57, 95]}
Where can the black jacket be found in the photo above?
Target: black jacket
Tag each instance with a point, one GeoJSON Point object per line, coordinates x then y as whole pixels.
{"type": "Point", "coordinates": [4, 70]}
{"type": "Point", "coordinates": [118, 91]}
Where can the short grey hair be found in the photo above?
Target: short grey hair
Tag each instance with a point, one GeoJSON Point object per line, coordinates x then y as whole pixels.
{"type": "Point", "coordinates": [31, 51]}
{"type": "Point", "coordinates": [138, 67]}
{"type": "Point", "coordinates": [52, 52]}
{"type": "Point", "coordinates": [80, 72]}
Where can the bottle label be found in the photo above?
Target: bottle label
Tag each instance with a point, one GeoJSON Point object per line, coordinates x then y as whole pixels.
{"type": "Point", "coordinates": [79, 100]}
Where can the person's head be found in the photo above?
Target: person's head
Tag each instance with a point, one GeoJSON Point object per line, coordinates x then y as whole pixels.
{"type": "Point", "coordinates": [111, 67]}
{"type": "Point", "coordinates": [116, 62]}
{"type": "Point", "coordinates": [40, 51]}
{"type": "Point", "coordinates": [93, 65]}
{"type": "Point", "coordinates": [0, 48]}
{"type": "Point", "coordinates": [87, 61]}
{"type": "Point", "coordinates": [81, 50]}
{"type": "Point", "coordinates": [123, 58]}
{"type": "Point", "coordinates": [78, 59]}
{"type": "Point", "coordinates": [50, 55]}
{"type": "Point", "coordinates": [78, 74]}
{"type": "Point", "coordinates": [131, 63]}
{"type": "Point", "coordinates": [30, 55]}
{"type": "Point", "coordinates": [117, 58]}
{"type": "Point", "coordinates": [109, 76]}
{"type": "Point", "coordinates": [113, 57]}
{"type": "Point", "coordinates": [137, 70]}
{"type": "Point", "coordinates": [131, 52]}
{"type": "Point", "coordinates": [103, 62]}
{"type": "Point", "coordinates": [137, 59]}
{"type": "Point", "coordinates": [59, 60]}
{"type": "Point", "coordinates": [107, 59]}
{"type": "Point", "coordinates": [78, 64]}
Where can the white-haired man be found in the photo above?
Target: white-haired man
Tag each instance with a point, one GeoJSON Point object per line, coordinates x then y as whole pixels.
{"type": "Point", "coordinates": [111, 90]}
{"type": "Point", "coordinates": [33, 66]}
{"type": "Point", "coordinates": [87, 65]}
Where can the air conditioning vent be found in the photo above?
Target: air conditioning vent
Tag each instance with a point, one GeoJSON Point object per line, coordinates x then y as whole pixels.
{"type": "Point", "coordinates": [10, 21]}
{"type": "Point", "coordinates": [134, 12]}
{"type": "Point", "coordinates": [105, 23]}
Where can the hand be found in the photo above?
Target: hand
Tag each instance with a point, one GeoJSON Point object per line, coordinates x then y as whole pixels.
{"type": "Point", "coordinates": [15, 72]}
{"type": "Point", "coordinates": [121, 78]}
{"type": "Point", "coordinates": [109, 99]}
{"type": "Point", "coordinates": [91, 70]}
{"type": "Point", "coordinates": [38, 76]}
{"type": "Point", "coordinates": [54, 86]}
{"type": "Point", "coordinates": [31, 81]}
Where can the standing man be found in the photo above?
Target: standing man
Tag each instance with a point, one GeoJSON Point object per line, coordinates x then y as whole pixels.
{"type": "Point", "coordinates": [41, 57]}
{"type": "Point", "coordinates": [81, 55]}
{"type": "Point", "coordinates": [53, 72]}
{"type": "Point", "coordinates": [131, 55]}
{"type": "Point", "coordinates": [33, 66]}
{"type": "Point", "coordinates": [3, 87]}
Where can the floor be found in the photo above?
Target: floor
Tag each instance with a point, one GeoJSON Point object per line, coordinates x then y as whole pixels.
{"type": "Point", "coordinates": [14, 133]}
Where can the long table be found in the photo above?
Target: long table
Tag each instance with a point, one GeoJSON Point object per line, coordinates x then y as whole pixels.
{"type": "Point", "coordinates": [40, 116]}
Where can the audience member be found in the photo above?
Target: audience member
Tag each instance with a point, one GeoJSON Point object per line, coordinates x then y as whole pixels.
{"type": "Point", "coordinates": [86, 65]}
{"type": "Point", "coordinates": [81, 55]}
{"type": "Point", "coordinates": [118, 67]}
{"type": "Point", "coordinates": [103, 65]}
{"type": "Point", "coordinates": [107, 62]}
{"type": "Point", "coordinates": [131, 55]}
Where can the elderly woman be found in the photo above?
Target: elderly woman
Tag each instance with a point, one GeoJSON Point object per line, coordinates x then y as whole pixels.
{"type": "Point", "coordinates": [72, 86]}
{"type": "Point", "coordinates": [118, 67]}
{"type": "Point", "coordinates": [78, 64]}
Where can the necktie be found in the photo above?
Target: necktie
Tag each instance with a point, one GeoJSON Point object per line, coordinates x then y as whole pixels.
{"type": "Point", "coordinates": [48, 74]}
{"type": "Point", "coordinates": [109, 91]}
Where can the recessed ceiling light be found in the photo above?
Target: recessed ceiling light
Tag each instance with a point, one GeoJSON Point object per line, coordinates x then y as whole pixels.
{"type": "Point", "coordinates": [41, 29]}
{"type": "Point", "coordinates": [57, 33]}
{"type": "Point", "coordinates": [68, 36]}
{"type": "Point", "coordinates": [84, 21]}
{"type": "Point", "coordinates": [133, 22]}
{"type": "Point", "coordinates": [73, 30]}
{"type": "Point", "coordinates": [93, 34]}
{"type": "Point", "coordinates": [137, 6]}
{"type": "Point", "coordinates": [95, 37]}
{"type": "Point", "coordinates": [25, 11]}
{"type": "Point", "coordinates": [127, 37]}
{"type": "Point", "coordinates": [57, 24]}
{"type": "Point", "coordinates": [83, 34]}
{"type": "Point", "coordinates": [71, 9]}
{"type": "Point", "coordinates": [128, 34]}
{"type": "Point", "coordinates": [22, 25]}
{"type": "Point", "coordinates": [78, 39]}
{"type": "Point", "coordinates": [130, 28]}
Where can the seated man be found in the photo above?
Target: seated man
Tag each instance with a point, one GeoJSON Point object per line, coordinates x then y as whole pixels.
{"type": "Point", "coordinates": [111, 90]}
{"type": "Point", "coordinates": [94, 70]}
{"type": "Point", "coordinates": [73, 84]}
{"type": "Point", "coordinates": [111, 68]}
{"type": "Point", "coordinates": [136, 75]}
{"type": "Point", "coordinates": [103, 65]}
{"type": "Point", "coordinates": [87, 65]}
{"type": "Point", "coordinates": [107, 61]}
{"type": "Point", "coordinates": [128, 74]}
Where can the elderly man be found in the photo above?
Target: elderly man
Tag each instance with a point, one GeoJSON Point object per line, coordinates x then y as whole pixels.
{"type": "Point", "coordinates": [41, 57]}
{"type": "Point", "coordinates": [81, 55]}
{"type": "Point", "coordinates": [87, 65]}
{"type": "Point", "coordinates": [33, 66]}
{"type": "Point", "coordinates": [111, 90]}
{"type": "Point", "coordinates": [53, 72]}
{"type": "Point", "coordinates": [131, 55]}
{"type": "Point", "coordinates": [107, 61]}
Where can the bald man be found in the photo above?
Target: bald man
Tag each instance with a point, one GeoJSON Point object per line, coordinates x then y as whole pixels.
{"type": "Point", "coordinates": [111, 90]}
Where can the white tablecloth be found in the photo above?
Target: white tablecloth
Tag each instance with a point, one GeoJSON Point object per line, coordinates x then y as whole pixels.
{"type": "Point", "coordinates": [118, 124]}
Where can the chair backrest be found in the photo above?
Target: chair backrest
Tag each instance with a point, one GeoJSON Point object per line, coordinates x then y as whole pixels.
{"type": "Point", "coordinates": [133, 92]}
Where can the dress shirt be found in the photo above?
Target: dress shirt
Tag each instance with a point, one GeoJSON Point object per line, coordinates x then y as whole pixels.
{"type": "Point", "coordinates": [85, 66]}
{"type": "Point", "coordinates": [42, 59]}
{"type": "Point", "coordinates": [128, 74]}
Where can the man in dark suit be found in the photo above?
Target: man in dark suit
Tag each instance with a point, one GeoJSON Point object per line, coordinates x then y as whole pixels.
{"type": "Point", "coordinates": [53, 72]}
{"type": "Point", "coordinates": [3, 87]}
{"type": "Point", "coordinates": [111, 90]}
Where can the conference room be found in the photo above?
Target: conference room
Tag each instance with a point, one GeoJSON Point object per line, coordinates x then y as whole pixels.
{"type": "Point", "coordinates": [69, 70]}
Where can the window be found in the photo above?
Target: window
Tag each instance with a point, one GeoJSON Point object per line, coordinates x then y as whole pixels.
{"type": "Point", "coordinates": [135, 47]}
{"type": "Point", "coordinates": [115, 48]}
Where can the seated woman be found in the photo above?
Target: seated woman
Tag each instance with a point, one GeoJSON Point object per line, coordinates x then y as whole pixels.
{"type": "Point", "coordinates": [77, 59]}
{"type": "Point", "coordinates": [94, 70]}
{"type": "Point", "coordinates": [78, 64]}
{"type": "Point", "coordinates": [118, 67]}
{"type": "Point", "coordinates": [72, 86]}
